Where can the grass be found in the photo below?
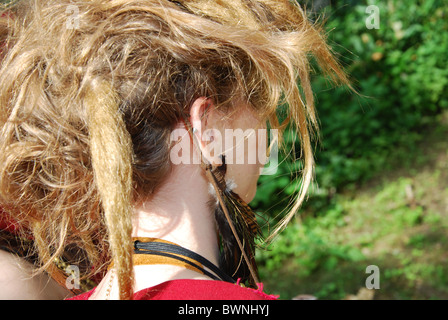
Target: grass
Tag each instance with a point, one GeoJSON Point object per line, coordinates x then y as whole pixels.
{"type": "Point", "coordinates": [397, 221]}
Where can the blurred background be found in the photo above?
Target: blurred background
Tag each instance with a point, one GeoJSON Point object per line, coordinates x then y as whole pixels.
{"type": "Point", "coordinates": [380, 195]}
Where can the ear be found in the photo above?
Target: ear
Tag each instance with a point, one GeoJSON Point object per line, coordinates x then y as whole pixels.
{"type": "Point", "coordinates": [203, 119]}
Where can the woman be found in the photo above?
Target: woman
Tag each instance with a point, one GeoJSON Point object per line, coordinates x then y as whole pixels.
{"type": "Point", "coordinates": [90, 95]}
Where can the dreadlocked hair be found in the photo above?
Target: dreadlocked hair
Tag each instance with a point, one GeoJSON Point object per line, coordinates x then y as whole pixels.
{"type": "Point", "coordinates": [91, 90]}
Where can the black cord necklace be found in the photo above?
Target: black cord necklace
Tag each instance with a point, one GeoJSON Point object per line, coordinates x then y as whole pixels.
{"type": "Point", "coordinates": [174, 251]}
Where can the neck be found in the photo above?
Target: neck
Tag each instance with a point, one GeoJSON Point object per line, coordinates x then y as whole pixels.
{"type": "Point", "coordinates": [179, 213]}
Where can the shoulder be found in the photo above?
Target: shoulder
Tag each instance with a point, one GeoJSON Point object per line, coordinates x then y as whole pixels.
{"type": "Point", "coordinates": [18, 281]}
{"type": "Point", "coordinates": [189, 289]}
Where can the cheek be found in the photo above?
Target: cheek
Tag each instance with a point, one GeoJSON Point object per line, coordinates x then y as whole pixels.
{"type": "Point", "coordinates": [247, 150]}
{"type": "Point", "coordinates": [245, 177]}
{"type": "Point", "coordinates": [246, 167]}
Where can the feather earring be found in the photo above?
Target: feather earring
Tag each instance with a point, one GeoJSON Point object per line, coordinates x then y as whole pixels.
{"type": "Point", "coordinates": [237, 225]}
{"type": "Point", "coordinates": [238, 261]}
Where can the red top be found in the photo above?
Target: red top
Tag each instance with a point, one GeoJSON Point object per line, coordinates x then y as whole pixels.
{"type": "Point", "coordinates": [190, 289]}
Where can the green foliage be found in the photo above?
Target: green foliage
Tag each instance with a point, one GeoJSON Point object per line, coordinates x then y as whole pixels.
{"type": "Point", "coordinates": [400, 73]}
{"type": "Point", "coordinates": [311, 245]}
{"type": "Point", "coordinates": [327, 255]}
